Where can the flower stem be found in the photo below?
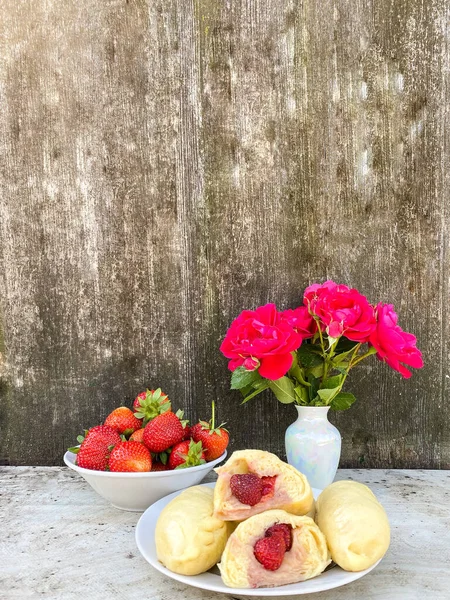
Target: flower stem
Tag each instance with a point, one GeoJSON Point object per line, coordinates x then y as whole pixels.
{"type": "Point", "coordinates": [370, 351]}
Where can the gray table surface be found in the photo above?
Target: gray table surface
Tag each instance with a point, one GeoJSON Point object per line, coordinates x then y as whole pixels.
{"type": "Point", "coordinates": [59, 539]}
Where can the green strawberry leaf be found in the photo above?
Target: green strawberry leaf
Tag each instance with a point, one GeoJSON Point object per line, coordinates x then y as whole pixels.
{"type": "Point", "coordinates": [74, 449]}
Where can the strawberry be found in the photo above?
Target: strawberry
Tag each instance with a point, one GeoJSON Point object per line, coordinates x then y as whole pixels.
{"type": "Point", "coordinates": [214, 439]}
{"type": "Point", "coordinates": [269, 551]}
{"type": "Point", "coordinates": [186, 454]}
{"type": "Point", "coordinates": [123, 420]}
{"type": "Point", "coordinates": [158, 466]}
{"type": "Point", "coordinates": [163, 432]}
{"type": "Point", "coordinates": [96, 447]}
{"type": "Point", "coordinates": [138, 435]}
{"type": "Point", "coordinates": [104, 430]}
{"type": "Point", "coordinates": [247, 488]}
{"type": "Point", "coordinates": [268, 486]}
{"type": "Point", "coordinates": [185, 423]}
{"type": "Point", "coordinates": [284, 530]}
{"type": "Point", "coordinates": [130, 456]}
{"type": "Point", "coordinates": [150, 404]}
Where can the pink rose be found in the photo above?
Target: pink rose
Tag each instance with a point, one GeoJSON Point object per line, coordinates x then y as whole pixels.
{"type": "Point", "coordinates": [393, 345]}
{"type": "Point", "coordinates": [261, 335]}
{"type": "Point", "coordinates": [300, 320]}
{"type": "Point", "coordinates": [341, 311]}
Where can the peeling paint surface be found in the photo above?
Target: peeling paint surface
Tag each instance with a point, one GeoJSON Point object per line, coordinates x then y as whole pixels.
{"type": "Point", "coordinates": [164, 165]}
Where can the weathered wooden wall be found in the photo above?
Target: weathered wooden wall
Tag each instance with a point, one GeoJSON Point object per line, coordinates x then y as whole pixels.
{"type": "Point", "coordinates": [165, 164]}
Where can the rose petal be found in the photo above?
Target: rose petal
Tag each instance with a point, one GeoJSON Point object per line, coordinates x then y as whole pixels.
{"type": "Point", "coordinates": [274, 367]}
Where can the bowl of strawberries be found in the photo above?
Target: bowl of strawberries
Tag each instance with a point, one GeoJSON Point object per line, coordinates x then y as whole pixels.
{"type": "Point", "coordinates": [140, 455]}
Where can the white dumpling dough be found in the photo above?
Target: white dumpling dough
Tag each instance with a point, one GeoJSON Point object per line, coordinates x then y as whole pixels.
{"type": "Point", "coordinates": [189, 539]}
{"type": "Point", "coordinates": [355, 525]}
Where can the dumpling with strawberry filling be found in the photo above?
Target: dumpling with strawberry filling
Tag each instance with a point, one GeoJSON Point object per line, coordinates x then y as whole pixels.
{"type": "Point", "coordinates": [253, 481]}
{"type": "Point", "coordinates": [273, 548]}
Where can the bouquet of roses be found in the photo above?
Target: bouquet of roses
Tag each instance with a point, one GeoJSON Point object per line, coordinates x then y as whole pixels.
{"type": "Point", "coordinates": [305, 355]}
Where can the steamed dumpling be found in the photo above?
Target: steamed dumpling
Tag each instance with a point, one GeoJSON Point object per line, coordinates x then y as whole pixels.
{"type": "Point", "coordinates": [354, 523]}
{"type": "Point", "coordinates": [189, 539]}
{"type": "Point", "coordinates": [241, 565]}
{"type": "Point", "coordinates": [281, 487]}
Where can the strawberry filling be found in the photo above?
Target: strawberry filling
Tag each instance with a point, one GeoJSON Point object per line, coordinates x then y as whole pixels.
{"type": "Point", "coordinates": [269, 550]}
{"type": "Point", "coordinates": [251, 489]}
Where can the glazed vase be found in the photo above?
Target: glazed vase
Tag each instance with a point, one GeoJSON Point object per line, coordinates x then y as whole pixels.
{"type": "Point", "coordinates": [313, 445]}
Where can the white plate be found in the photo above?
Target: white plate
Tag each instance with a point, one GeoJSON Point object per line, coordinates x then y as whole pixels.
{"type": "Point", "coordinates": [145, 539]}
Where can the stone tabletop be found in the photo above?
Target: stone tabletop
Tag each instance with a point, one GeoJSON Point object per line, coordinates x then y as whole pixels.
{"type": "Point", "coordinates": [61, 541]}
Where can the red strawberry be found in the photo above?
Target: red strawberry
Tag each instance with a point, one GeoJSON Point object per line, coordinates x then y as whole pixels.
{"type": "Point", "coordinates": [186, 454]}
{"type": "Point", "coordinates": [108, 432]}
{"type": "Point", "coordinates": [284, 530]}
{"type": "Point", "coordinates": [214, 439]}
{"type": "Point", "coordinates": [138, 435]}
{"type": "Point", "coordinates": [163, 432]}
{"type": "Point", "coordinates": [269, 551]}
{"type": "Point", "coordinates": [122, 419]}
{"type": "Point", "coordinates": [247, 488]}
{"type": "Point", "coordinates": [150, 404]}
{"type": "Point", "coordinates": [96, 447]}
{"type": "Point", "coordinates": [158, 466]}
{"type": "Point", "coordinates": [187, 433]}
{"type": "Point", "coordinates": [130, 457]}
{"type": "Point", "coordinates": [268, 486]}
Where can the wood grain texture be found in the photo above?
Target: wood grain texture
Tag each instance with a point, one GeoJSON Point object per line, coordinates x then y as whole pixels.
{"type": "Point", "coordinates": [166, 164]}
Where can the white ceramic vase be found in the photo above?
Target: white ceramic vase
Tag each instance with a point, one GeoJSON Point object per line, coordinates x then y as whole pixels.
{"type": "Point", "coordinates": [313, 445]}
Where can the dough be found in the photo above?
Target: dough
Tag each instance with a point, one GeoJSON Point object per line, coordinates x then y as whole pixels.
{"type": "Point", "coordinates": [354, 523]}
{"type": "Point", "coordinates": [307, 558]}
{"type": "Point", "coordinates": [189, 539]}
{"type": "Point", "coordinates": [291, 490]}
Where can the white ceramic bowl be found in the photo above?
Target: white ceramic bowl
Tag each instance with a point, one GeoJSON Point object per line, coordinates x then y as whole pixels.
{"type": "Point", "coordinates": [137, 491]}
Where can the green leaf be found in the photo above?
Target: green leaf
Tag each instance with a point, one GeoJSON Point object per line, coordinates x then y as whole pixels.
{"type": "Point", "coordinates": [332, 382]}
{"type": "Point", "coordinates": [327, 394]}
{"type": "Point", "coordinates": [345, 345]}
{"type": "Point", "coordinates": [283, 389]}
{"type": "Point", "coordinates": [316, 371]}
{"type": "Point", "coordinates": [298, 373]}
{"type": "Point", "coordinates": [309, 355]}
{"type": "Point", "coordinates": [80, 439]}
{"type": "Point", "coordinates": [163, 457]}
{"type": "Point", "coordinates": [302, 394]}
{"type": "Point", "coordinates": [242, 378]}
{"type": "Point", "coordinates": [74, 449]}
{"type": "Point", "coordinates": [342, 401]}
{"type": "Point", "coordinates": [260, 388]}
{"type": "Point", "coordinates": [315, 382]}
